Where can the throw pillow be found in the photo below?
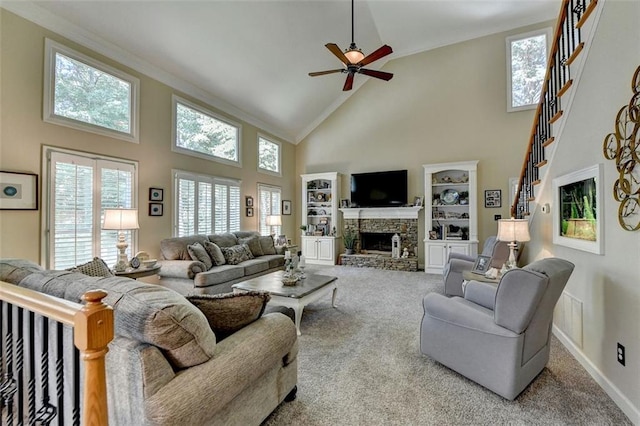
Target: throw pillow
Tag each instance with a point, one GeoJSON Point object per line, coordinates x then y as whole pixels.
{"type": "Point", "coordinates": [215, 253]}
{"type": "Point", "coordinates": [229, 312]}
{"type": "Point", "coordinates": [94, 268]}
{"type": "Point", "coordinates": [254, 245]}
{"type": "Point", "coordinates": [236, 254]}
{"type": "Point", "coordinates": [198, 253]}
{"type": "Point", "coordinates": [266, 243]}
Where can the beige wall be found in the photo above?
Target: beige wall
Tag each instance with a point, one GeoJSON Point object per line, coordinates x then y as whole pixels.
{"type": "Point", "coordinates": [443, 105]}
{"type": "Point", "coordinates": [23, 133]}
{"type": "Point", "coordinates": [607, 285]}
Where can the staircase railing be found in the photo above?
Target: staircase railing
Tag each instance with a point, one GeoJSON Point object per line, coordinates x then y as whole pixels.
{"type": "Point", "coordinates": [567, 44]}
{"type": "Point", "coordinates": [44, 378]}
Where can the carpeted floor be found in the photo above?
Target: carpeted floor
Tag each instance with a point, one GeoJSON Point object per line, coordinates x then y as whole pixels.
{"type": "Point", "coordinates": [361, 364]}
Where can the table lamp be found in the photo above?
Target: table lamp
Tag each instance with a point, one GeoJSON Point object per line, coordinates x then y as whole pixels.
{"type": "Point", "coordinates": [273, 220]}
{"type": "Point", "coordinates": [513, 231]}
{"type": "Point", "coordinates": [121, 220]}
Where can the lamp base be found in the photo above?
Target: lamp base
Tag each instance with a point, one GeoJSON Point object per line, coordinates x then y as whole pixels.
{"type": "Point", "coordinates": [123, 261]}
{"type": "Point", "coordinates": [511, 263]}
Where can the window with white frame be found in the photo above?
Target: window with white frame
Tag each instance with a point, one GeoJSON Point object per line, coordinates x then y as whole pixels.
{"type": "Point", "coordinates": [200, 132]}
{"type": "Point", "coordinates": [79, 188]}
{"type": "Point", "coordinates": [269, 156]}
{"type": "Point", "coordinates": [85, 94]}
{"type": "Point", "coordinates": [269, 200]}
{"type": "Point", "coordinates": [205, 204]}
{"type": "Point", "coordinates": [526, 68]}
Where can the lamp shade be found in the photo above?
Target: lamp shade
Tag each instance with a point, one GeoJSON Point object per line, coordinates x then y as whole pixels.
{"type": "Point", "coordinates": [120, 219]}
{"type": "Point", "coordinates": [513, 230]}
{"type": "Point", "coordinates": [274, 220]}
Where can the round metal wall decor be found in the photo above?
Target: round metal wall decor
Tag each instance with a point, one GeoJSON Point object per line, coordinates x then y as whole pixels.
{"type": "Point", "coordinates": [623, 146]}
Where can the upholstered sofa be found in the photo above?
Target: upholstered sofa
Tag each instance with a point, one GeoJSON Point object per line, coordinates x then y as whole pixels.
{"type": "Point", "coordinates": [183, 272]}
{"type": "Point", "coordinates": [165, 365]}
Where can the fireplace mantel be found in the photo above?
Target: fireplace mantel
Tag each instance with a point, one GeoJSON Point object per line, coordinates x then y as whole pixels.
{"type": "Point", "coordinates": [381, 212]}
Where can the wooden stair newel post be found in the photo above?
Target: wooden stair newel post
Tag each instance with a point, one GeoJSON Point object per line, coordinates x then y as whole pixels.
{"type": "Point", "coordinates": [93, 326]}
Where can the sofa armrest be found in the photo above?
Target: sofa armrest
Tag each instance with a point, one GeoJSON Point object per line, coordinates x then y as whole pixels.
{"type": "Point", "coordinates": [196, 394]}
{"type": "Point", "coordinates": [180, 268]}
{"type": "Point", "coordinates": [483, 294]}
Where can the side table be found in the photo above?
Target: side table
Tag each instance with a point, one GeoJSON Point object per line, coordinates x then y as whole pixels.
{"type": "Point", "coordinates": [472, 276]}
{"type": "Point", "coordinates": [138, 273]}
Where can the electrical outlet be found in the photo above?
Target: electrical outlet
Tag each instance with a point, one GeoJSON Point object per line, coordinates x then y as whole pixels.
{"type": "Point", "coordinates": [620, 354]}
{"type": "Point", "coordinates": [497, 216]}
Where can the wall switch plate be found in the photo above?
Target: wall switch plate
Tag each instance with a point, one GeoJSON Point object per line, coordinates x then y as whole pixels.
{"type": "Point", "coordinates": [497, 216]}
{"type": "Point", "coordinates": [621, 354]}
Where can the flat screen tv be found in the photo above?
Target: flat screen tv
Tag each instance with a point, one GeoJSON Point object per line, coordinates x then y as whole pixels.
{"type": "Point", "coordinates": [379, 189]}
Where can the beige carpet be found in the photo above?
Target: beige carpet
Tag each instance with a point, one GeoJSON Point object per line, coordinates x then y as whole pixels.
{"type": "Point", "coordinates": [360, 364]}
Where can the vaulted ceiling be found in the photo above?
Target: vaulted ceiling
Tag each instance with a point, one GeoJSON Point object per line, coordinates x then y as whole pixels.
{"type": "Point", "coordinates": [251, 58]}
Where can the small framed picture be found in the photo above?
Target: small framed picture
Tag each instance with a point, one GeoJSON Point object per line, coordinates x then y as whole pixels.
{"type": "Point", "coordinates": [249, 211]}
{"type": "Point", "coordinates": [248, 201]}
{"type": "Point", "coordinates": [344, 204]}
{"type": "Point", "coordinates": [282, 240]}
{"type": "Point", "coordinates": [286, 207]}
{"type": "Point", "coordinates": [155, 209]}
{"type": "Point", "coordinates": [18, 191]}
{"type": "Point", "coordinates": [156, 194]}
{"type": "Point", "coordinates": [493, 198]}
{"type": "Point", "coordinates": [417, 201]}
{"type": "Point", "coordinates": [482, 264]}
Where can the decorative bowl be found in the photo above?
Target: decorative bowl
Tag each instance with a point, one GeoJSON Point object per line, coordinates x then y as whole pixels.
{"type": "Point", "coordinates": [290, 281]}
{"type": "Point", "coordinates": [149, 263]}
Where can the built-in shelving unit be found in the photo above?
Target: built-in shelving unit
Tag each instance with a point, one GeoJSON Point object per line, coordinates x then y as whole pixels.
{"type": "Point", "coordinates": [320, 198]}
{"type": "Point", "coordinates": [451, 217]}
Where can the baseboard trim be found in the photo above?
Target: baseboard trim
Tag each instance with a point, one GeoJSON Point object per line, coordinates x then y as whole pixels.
{"type": "Point", "coordinates": [618, 397]}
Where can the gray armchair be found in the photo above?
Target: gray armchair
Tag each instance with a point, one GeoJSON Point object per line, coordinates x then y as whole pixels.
{"type": "Point", "coordinates": [497, 336]}
{"type": "Point", "coordinates": [452, 273]}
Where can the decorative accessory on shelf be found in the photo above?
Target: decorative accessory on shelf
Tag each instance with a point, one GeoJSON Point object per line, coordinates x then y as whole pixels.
{"type": "Point", "coordinates": [121, 220]}
{"type": "Point", "coordinates": [514, 231]}
{"type": "Point", "coordinates": [449, 196]}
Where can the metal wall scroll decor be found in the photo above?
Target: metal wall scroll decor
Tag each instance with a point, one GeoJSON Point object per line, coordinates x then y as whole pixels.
{"type": "Point", "coordinates": [623, 146]}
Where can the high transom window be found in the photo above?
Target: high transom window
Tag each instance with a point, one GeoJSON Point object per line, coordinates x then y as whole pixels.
{"type": "Point", "coordinates": [269, 156]}
{"type": "Point", "coordinates": [200, 132]}
{"type": "Point", "coordinates": [205, 204]}
{"type": "Point", "coordinates": [85, 94]}
{"type": "Point", "coordinates": [526, 68]}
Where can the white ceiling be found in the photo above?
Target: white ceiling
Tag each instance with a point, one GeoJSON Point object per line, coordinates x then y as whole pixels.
{"type": "Point", "coordinates": [251, 58]}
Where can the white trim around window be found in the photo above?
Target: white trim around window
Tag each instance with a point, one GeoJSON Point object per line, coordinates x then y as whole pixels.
{"type": "Point", "coordinates": [277, 146]}
{"type": "Point", "coordinates": [175, 100]}
{"type": "Point", "coordinates": [52, 49]}
{"type": "Point", "coordinates": [547, 32]}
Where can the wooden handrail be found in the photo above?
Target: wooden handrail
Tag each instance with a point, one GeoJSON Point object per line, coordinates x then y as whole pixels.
{"type": "Point", "coordinates": [551, 64]}
{"type": "Point", "coordinates": [93, 330]}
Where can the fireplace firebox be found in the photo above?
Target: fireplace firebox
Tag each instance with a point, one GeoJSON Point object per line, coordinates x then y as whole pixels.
{"type": "Point", "coordinates": [376, 241]}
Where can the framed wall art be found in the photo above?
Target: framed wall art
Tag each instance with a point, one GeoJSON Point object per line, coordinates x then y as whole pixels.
{"type": "Point", "coordinates": [286, 207]}
{"type": "Point", "coordinates": [248, 201]}
{"type": "Point", "coordinates": [577, 221]}
{"type": "Point", "coordinates": [156, 209]}
{"type": "Point", "coordinates": [18, 191]}
{"type": "Point", "coordinates": [156, 194]}
{"type": "Point", "coordinates": [493, 198]}
{"type": "Point", "coordinates": [249, 211]}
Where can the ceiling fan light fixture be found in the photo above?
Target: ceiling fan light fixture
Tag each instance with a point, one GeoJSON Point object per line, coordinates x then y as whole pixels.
{"type": "Point", "coordinates": [353, 54]}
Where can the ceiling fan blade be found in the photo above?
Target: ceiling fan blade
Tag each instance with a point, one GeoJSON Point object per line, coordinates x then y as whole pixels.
{"type": "Point", "coordinates": [336, 51]}
{"type": "Point", "coordinates": [348, 84]}
{"type": "Point", "coordinates": [377, 74]}
{"type": "Point", "coordinates": [317, 73]}
{"type": "Point", "coordinates": [374, 56]}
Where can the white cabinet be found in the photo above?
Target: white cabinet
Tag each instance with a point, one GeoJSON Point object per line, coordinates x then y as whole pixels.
{"type": "Point", "coordinates": [320, 250]}
{"type": "Point", "coordinates": [320, 198]}
{"type": "Point", "coordinates": [451, 215]}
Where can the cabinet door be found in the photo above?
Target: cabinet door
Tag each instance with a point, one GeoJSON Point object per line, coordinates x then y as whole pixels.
{"type": "Point", "coordinates": [459, 248]}
{"type": "Point", "coordinates": [435, 256]}
{"type": "Point", "coordinates": [309, 248]}
{"type": "Point", "coordinates": [326, 249]}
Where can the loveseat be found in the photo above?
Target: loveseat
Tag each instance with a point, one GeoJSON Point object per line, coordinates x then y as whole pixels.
{"type": "Point", "coordinates": [186, 271]}
{"type": "Point", "coordinates": [166, 366]}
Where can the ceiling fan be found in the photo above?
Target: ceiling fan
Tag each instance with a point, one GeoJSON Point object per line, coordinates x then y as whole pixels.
{"type": "Point", "coordinates": [353, 59]}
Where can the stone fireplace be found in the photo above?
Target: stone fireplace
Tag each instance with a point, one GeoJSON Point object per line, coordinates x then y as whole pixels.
{"type": "Point", "coordinates": [375, 228]}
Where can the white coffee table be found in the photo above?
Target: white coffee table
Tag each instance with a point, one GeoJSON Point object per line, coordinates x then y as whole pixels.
{"type": "Point", "coordinates": [296, 297]}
